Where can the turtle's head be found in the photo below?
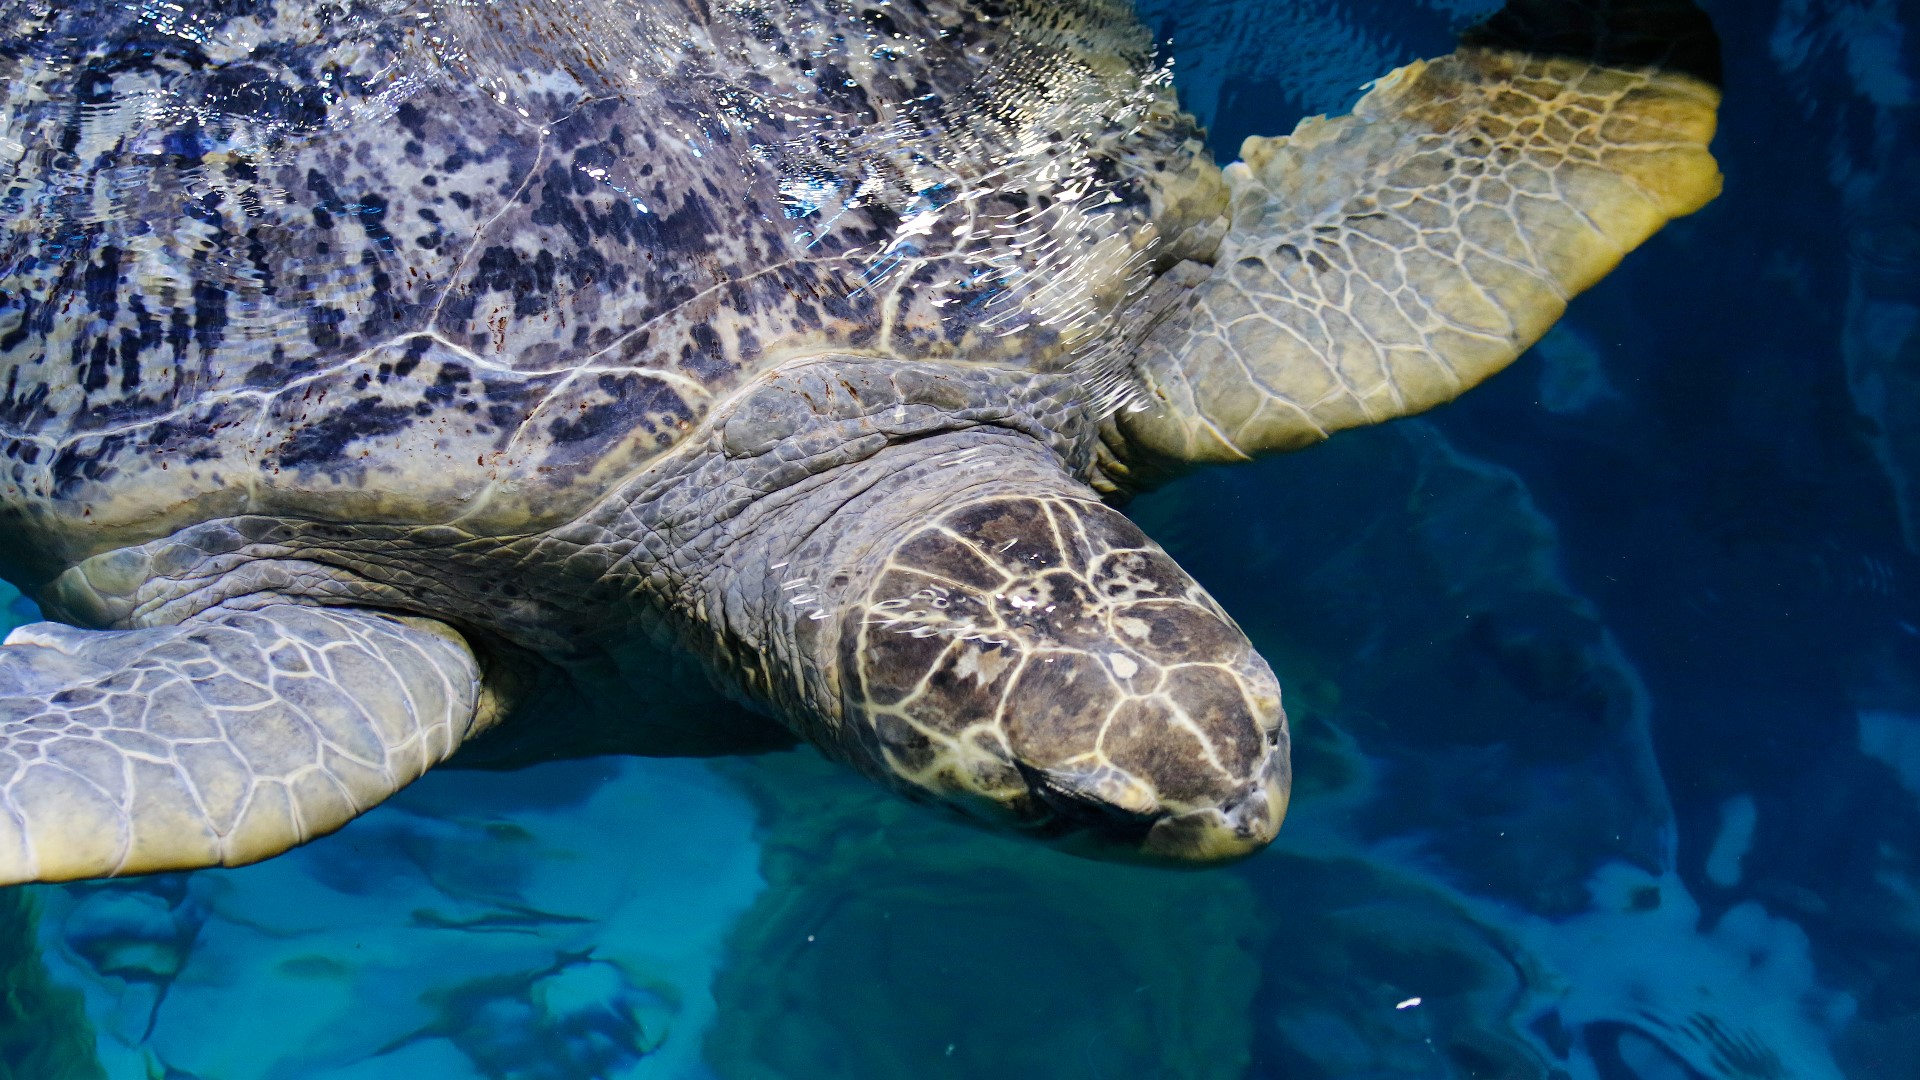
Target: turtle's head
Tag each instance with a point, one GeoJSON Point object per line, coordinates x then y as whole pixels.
{"type": "Point", "coordinates": [1037, 660]}
{"type": "Point", "coordinates": [952, 612]}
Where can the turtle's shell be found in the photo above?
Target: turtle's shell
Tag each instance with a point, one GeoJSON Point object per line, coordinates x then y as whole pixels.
{"type": "Point", "coordinates": [474, 262]}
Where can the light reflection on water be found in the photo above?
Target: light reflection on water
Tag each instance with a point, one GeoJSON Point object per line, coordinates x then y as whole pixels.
{"type": "Point", "coordinates": [1002, 186]}
{"type": "Point", "coordinates": [1535, 648]}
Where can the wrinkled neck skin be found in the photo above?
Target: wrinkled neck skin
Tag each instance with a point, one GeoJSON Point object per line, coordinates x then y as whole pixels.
{"type": "Point", "coordinates": [805, 482]}
{"type": "Point", "coordinates": [904, 563]}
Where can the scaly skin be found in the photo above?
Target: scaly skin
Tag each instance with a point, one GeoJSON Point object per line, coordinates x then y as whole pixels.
{"type": "Point", "coordinates": [218, 741]}
{"type": "Point", "coordinates": [1382, 263]}
{"type": "Point", "coordinates": [1040, 658]}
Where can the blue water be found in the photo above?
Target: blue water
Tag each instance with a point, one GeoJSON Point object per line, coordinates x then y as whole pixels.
{"type": "Point", "coordinates": [1603, 683]}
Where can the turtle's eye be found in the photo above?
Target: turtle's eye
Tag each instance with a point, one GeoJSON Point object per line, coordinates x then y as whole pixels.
{"type": "Point", "coordinates": [1041, 661]}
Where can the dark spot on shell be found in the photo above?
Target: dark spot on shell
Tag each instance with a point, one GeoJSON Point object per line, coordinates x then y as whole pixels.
{"type": "Point", "coordinates": [325, 441]}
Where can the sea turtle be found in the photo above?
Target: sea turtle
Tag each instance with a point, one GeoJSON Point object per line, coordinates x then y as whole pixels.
{"type": "Point", "coordinates": [380, 373]}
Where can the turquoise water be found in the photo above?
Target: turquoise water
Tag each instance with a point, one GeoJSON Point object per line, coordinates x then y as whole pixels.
{"type": "Point", "coordinates": [1603, 683]}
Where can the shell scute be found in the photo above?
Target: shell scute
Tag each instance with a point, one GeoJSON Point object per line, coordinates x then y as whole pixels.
{"type": "Point", "coordinates": [476, 261]}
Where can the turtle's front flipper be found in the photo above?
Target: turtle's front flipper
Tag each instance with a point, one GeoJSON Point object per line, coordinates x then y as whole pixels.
{"type": "Point", "coordinates": [221, 741]}
{"type": "Point", "coordinates": [1381, 263]}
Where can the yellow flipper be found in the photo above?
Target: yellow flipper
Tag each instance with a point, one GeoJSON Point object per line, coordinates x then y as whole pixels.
{"type": "Point", "coordinates": [1383, 262]}
{"type": "Point", "coordinates": [221, 741]}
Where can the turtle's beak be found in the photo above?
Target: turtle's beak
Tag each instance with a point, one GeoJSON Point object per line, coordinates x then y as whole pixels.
{"type": "Point", "coordinates": [1241, 826]}
{"type": "Point", "coordinates": [1109, 813]}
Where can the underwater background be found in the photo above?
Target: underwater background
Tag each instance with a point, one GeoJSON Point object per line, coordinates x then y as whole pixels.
{"type": "Point", "coordinates": [1604, 684]}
